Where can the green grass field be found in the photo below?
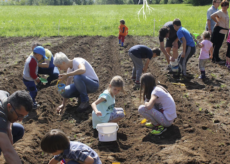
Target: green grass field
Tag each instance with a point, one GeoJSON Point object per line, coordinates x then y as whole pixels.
{"type": "Point", "coordinates": [95, 20]}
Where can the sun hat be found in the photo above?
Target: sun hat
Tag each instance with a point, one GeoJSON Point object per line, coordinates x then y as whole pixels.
{"type": "Point", "coordinates": [41, 51]}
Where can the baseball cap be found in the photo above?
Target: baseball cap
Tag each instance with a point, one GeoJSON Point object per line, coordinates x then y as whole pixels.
{"type": "Point", "coordinates": [41, 51]}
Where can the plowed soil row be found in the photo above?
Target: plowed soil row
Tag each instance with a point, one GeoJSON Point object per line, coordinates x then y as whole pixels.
{"type": "Point", "coordinates": [200, 134]}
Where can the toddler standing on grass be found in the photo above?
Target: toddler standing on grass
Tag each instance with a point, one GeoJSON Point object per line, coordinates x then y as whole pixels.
{"type": "Point", "coordinates": [71, 152]}
{"type": "Point", "coordinates": [206, 49]}
{"type": "Point", "coordinates": [123, 31]}
{"type": "Point", "coordinates": [104, 107]}
{"type": "Point", "coordinates": [228, 52]}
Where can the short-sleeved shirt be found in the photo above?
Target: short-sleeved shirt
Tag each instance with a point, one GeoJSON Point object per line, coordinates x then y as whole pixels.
{"type": "Point", "coordinates": [223, 21]}
{"type": "Point", "coordinates": [124, 30]}
{"type": "Point", "coordinates": [210, 11]}
{"type": "Point", "coordinates": [106, 108]}
{"type": "Point", "coordinates": [3, 111]}
{"type": "Point", "coordinates": [165, 102]}
{"type": "Point", "coordinates": [141, 51]}
{"type": "Point", "coordinates": [49, 55]}
{"type": "Point", "coordinates": [172, 32]}
{"type": "Point", "coordinates": [204, 51]}
{"type": "Point", "coordinates": [89, 69]}
{"type": "Point", "coordinates": [78, 152]}
{"type": "Point", "coordinates": [183, 32]}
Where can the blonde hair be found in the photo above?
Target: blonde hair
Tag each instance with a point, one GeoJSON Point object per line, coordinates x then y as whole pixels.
{"type": "Point", "coordinates": [206, 35]}
{"type": "Point", "coordinates": [117, 81]}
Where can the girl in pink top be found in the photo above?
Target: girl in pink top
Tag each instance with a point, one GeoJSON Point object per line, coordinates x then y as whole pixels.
{"type": "Point", "coordinates": [228, 52]}
{"type": "Point", "coordinates": [206, 49]}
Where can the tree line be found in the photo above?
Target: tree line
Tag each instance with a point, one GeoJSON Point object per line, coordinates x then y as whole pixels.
{"type": "Point", "coordinates": [95, 2]}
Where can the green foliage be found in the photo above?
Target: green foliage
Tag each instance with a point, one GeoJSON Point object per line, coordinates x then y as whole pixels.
{"type": "Point", "coordinates": [198, 2]}
{"type": "Point", "coordinates": [95, 19]}
{"type": "Point", "coordinates": [84, 2]}
{"type": "Point", "coordinates": [175, 1]}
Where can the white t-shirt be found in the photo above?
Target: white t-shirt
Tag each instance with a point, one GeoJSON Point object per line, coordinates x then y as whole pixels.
{"type": "Point", "coordinates": [165, 102]}
{"type": "Point", "coordinates": [89, 69]}
{"type": "Point", "coordinates": [223, 21]}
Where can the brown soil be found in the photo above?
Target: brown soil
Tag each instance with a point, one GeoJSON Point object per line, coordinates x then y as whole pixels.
{"type": "Point", "coordinates": [200, 134]}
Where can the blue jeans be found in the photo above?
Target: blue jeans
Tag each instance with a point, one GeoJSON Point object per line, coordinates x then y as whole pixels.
{"type": "Point", "coordinates": [17, 132]}
{"type": "Point", "coordinates": [52, 72]}
{"type": "Point", "coordinates": [31, 88]}
{"type": "Point", "coordinates": [81, 86]}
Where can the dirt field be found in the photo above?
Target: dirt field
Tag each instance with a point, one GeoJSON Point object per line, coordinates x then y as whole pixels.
{"type": "Point", "coordinates": [200, 134]}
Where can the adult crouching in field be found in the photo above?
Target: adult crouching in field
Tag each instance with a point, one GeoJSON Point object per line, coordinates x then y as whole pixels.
{"type": "Point", "coordinates": [220, 30]}
{"type": "Point", "coordinates": [159, 108]}
{"type": "Point", "coordinates": [46, 66]}
{"type": "Point", "coordinates": [210, 24]}
{"type": "Point", "coordinates": [13, 108]}
{"type": "Point", "coordinates": [172, 42]}
{"type": "Point", "coordinates": [81, 79]}
{"type": "Point", "coordinates": [188, 43]}
{"type": "Point", "coordinates": [137, 53]}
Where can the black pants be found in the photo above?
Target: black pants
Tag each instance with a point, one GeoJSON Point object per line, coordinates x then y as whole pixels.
{"type": "Point", "coordinates": [217, 40]}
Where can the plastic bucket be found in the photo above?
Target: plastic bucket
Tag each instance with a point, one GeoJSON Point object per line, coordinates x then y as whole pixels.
{"type": "Point", "coordinates": [174, 66]}
{"type": "Point", "coordinates": [43, 80]}
{"type": "Point", "coordinates": [61, 88]}
{"type": "Point", "coordinates": [107, 132]}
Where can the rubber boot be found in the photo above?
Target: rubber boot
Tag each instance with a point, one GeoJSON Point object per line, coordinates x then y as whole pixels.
{"type": "Point", "coordinates": [202, 76]}
{"type": "Point", "coordinates": [119, 41]}
{"type": "Point", "coordinates": [122, 44]}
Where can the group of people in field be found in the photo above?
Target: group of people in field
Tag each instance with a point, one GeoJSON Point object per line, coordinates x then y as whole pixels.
{"type": "Point", "coordinates": [217, 27]}
{"type": "Point", "coordinates": [81, 79]}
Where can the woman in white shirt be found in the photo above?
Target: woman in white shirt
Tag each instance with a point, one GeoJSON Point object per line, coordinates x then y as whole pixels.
{"type": "Point", "coordinates": [159, 108]}
{"type": "Point", "coordinates": [81, 79]}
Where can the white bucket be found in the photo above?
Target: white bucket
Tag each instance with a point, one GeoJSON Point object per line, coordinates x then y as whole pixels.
{"type": "Point", "coordinates": [174, 65]}
{"type": "Point", "coordinates": [107, 132]}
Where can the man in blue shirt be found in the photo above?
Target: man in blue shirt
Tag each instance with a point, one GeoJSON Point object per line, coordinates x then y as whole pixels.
{"type": "Point", "coordinates": [188, 45]}
{"type": "Point", "coordinates": [210, 23]}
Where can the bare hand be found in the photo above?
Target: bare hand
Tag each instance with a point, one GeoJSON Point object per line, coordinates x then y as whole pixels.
{"type": "Point", "coordinates": [144, 70]}
{"type": "Point", "coordinates": [98, 113]}
{"type": "Point", "coordinates": [63, 77]}
{"type": "Point", "coordinates": [211, 57]}
{"type": "Point", "coordinates": [172, 59]}
{"type": "Point", "coordinates": [183, 55]}
{"type": "Point", "coordinates": [37, 80]}
{"type": "Point", "coordinates": [210, 31]}
{"type": "Point", "coordinates": [60, 109]}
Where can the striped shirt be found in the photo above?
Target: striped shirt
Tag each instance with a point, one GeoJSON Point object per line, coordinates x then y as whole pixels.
{"type": "Point", "coordinates": [78, 152]}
